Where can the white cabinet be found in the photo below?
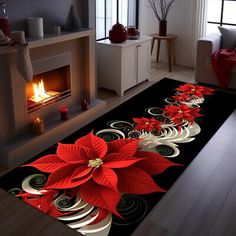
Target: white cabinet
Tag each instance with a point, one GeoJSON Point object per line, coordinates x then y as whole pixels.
{"type": "Point", "coordinates": [122, 66]}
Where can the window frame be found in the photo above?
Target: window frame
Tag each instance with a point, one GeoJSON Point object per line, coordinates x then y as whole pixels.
{"type": "Point", "coordinates": [117, 17]}
{"type": "Point", "coordinates": [221, 23]}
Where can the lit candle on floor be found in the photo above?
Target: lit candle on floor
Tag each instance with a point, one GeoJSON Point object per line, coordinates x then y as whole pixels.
{"type": "Point", "coordinates": [64, 113]}
{"type": "Point", "coordinates": [38, 126]}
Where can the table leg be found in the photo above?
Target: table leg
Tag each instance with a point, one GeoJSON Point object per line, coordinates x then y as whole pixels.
{"type": "Point", "coordinates": [169, 48]}
{"type": "Point", "coordinates": [153, 40]}
{"type": "Point", "coordinates": [158, 49]}
{"type": "Point", "coordinates": [173, 52]}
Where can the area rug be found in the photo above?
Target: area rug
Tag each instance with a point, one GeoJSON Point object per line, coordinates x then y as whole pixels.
{"type": "Point", "coordinates": [106, 177]}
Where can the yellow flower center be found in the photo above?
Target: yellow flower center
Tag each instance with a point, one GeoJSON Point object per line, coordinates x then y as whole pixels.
{"type": "Point", "coordinates": [96, 163]}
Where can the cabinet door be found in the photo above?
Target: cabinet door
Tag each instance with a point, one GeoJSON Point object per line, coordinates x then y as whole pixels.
{"type": "Point", "coordinates": [143, 61]}
{"type": "Point", "coordinates": [129, 64]}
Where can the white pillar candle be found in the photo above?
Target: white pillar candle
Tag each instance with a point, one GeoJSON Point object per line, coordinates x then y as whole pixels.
{"type": "Point", "coordinates": [18, 36]}
{"type": "Point", "coordinates": [35, 27]}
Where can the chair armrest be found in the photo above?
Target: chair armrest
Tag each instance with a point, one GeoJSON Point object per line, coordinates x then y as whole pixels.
{"type": "Point", "coordinates": [209, 43]}
{"type": "Point", "coordinates": [205, 47]}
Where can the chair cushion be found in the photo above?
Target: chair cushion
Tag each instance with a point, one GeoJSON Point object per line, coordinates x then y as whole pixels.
{"type": "Point", "coordinates": [228, 37]}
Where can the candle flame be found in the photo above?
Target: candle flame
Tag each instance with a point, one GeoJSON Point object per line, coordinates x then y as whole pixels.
{"type": "Point", "coordinates": [38, 120]}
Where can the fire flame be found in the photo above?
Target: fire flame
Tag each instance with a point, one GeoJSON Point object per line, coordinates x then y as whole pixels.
{"type": "Point", "coordinates": [40, 94]}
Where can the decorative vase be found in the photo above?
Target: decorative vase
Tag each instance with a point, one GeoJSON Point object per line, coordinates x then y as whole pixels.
{"type": "Point", "coordinates": [162, 27]}
{"type": "Point", "coordinates": [118, 33]}
{"type": "Point", "coordinates": [132, 32]}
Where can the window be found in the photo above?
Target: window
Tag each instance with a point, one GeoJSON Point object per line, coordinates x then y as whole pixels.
{"type": "Point", "coordinates": [108, 12]}
{"type": "Point", "coordinates": [220, 12]}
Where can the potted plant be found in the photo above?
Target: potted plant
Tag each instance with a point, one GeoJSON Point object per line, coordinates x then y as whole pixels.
{"type": "Point", "coordinates": [161, 9]}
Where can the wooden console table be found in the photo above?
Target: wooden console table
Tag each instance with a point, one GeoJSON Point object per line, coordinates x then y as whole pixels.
{"type": "Point", "coordinates": [169, 38]}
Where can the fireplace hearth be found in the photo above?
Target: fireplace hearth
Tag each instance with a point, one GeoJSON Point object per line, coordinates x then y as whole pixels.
{"type": "Point", "coordinates": [64, 76]}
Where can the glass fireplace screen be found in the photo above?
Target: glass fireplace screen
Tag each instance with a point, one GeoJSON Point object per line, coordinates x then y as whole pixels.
{"type": "Point", "coordinates": [48, 87]}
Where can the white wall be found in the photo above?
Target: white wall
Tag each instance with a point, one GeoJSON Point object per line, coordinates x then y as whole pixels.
{"type": "Point", "coordinates": [180, 22]}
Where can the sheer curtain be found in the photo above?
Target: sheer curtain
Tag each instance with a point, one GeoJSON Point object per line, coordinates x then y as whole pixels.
{"type": "Point", "coordinates": [199, 24]}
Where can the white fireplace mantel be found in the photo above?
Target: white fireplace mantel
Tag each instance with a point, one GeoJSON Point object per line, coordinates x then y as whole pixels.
{"type": "Point", "coordinates": [51, 39]}
{"type": "Point", "coordinates": [17, 143]}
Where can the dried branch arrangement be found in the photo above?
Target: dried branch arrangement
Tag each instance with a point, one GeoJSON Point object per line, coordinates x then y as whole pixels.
{"type": "Point", "coordinates": [161, 8]}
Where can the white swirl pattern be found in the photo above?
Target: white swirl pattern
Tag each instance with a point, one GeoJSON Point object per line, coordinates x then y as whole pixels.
{"type": "Point", "coordinates": [81, 214]}
{"type": "Point", "coordinates": [168, 138]}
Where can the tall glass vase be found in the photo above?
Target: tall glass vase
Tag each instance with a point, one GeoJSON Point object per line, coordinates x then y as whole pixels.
{"type": "Point", "coordinates": [162, 27]}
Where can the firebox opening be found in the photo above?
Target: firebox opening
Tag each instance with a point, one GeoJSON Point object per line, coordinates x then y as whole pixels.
{"type": "Point", "coordinates": [48, 87]}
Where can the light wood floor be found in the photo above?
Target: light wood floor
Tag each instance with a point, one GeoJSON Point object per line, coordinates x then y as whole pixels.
{"type": "Point", "coordinates": [158, 72]}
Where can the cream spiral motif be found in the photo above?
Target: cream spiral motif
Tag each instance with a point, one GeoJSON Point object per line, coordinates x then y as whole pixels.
{"type": "Point", "coordinates": [79, 215]}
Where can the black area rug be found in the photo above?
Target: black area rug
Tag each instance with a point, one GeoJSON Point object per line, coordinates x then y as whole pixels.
{"type": "Point", "coordinates": [215, 108]}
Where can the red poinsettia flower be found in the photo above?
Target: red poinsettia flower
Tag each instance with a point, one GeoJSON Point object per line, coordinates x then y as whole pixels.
{"type": "Point", "coordinates": [102, 171]}
{"type": "Point", "coordinates": [43, 202]}
{"type": "Point", "coordinates": [181, 113]}
{"type": "Point", "coordinates": [206, 91]}
{"type": "Point", "coordinates": [195, 90]}
{"type": "Point", "coordinates": [182, 97]}
{"type": "Point", "coordinates": [147, 124]}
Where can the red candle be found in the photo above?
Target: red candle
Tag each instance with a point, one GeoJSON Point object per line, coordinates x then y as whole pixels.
{"type": "Point", "coordinates": [84, 105]}
{"type": "Point", "coordinates": [38, 126]}
{"type": "Point", "coordinates": [64, 113]}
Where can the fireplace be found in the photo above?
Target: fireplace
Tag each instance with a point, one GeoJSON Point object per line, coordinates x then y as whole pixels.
{"type": "Point", "coordinates": [64, 75]}
{"type": "Point", "coordinates": [48, 87]}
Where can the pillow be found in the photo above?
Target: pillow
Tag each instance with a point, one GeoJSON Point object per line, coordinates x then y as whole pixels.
{"type": "Point", "coordinates": [228, 37]}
